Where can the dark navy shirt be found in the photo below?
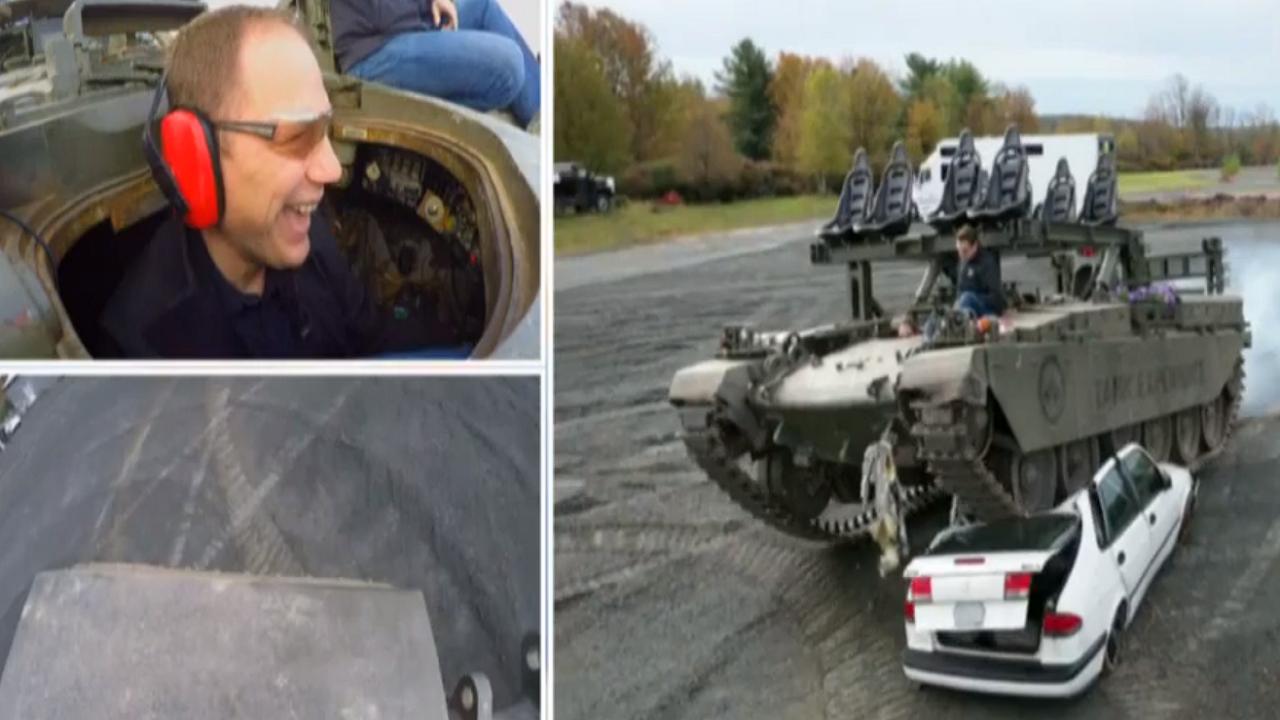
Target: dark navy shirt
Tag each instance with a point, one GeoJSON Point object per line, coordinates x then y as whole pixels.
{"type": "Point", "coordinates": [174, 303]}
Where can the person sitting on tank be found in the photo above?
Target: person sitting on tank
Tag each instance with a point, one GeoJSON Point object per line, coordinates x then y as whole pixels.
{"type": "Point", "coordinates": [470, 54]}
{"type": "Point", "coordinates": [975, 274]}
{"type": "Point", "coordinates": [976, 277]}
{"type": "Point", "coordinates": [266, 280]}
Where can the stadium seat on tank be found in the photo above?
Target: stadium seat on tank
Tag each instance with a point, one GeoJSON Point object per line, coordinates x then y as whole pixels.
{"type": "Point", "coordinates": [1060, 197]}
{"type": "Point", "coordinates": [1009, 191]}
{"type": "Point", "coordinates": [1100, 194]}
{"type": "Point", "coordinates": [891, 212]}
{"type": "Point", "coordinates": [855, 199]}
{"type": "Point", "coordinates": [961, 190]}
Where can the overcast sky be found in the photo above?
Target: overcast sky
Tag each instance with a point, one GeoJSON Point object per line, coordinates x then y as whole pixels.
{"type": "Point", "coordinates": [1076, 56]}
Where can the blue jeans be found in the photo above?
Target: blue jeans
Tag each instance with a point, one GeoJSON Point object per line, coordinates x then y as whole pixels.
{"type": "Point", "coordinates": [484, 64]}
{"type": "Point", "coordinates": [970, 301]}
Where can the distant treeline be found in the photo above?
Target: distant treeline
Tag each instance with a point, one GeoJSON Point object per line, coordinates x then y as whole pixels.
{"type": "Point", "coordinates": [791, 124]}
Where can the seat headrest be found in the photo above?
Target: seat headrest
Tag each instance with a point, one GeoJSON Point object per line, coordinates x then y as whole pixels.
{"type": "Point", "coordinates": [1012, 137]}
{"type": "Point", "coordinates": [860, 162]}
{"type": "Point", "coordinates": [1106, 162]}
{"type": "Point", "coordinates": [898, 155]}
{"type": "Point", "coordinates": [1063, 171]}
{"type": "Point", "coordinates": [965, 143]}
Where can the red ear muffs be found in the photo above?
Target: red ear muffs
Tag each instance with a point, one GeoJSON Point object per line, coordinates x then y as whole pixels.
{"type": "Point", "coordinates": [185, 161]}
{"type": "Point", "coordinates": [189, 146]}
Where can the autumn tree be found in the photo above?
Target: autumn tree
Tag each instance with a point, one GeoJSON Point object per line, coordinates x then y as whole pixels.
{"type": "Point", "coordinates": [745, 79]}
{"type": "Point", "coordinates": [630, 65]}
{"type": "Point", "coordinates": [825, 131]}
{"type": "Point", "coordinates": [786, 92]}
{"type": "Point", "coordinates": [924, 129]}
{"type": "Point", "coordinates": [937, 90]}
{"type": "Point", "coordinates": [1017, 107]}
{"type": "Point", "coordinates": [708, 158]}
{"type": "Point", "coordinates": [591, 125]}
{"type": "Point", "coordinates": [873, 109]}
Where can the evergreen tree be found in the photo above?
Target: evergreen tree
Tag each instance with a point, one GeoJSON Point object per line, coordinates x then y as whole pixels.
{"type": "Point", "coordinates": [745, 80]}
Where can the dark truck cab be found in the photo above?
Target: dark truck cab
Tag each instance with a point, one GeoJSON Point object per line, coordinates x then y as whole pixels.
{"type": "Point", "coordinates": [579, 190]}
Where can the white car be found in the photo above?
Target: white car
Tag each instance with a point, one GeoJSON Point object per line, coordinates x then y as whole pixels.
{"type": "Point", "coordinates": [1036, 606]}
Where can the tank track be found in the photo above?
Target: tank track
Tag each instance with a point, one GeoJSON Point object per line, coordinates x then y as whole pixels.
{"type": "Point", "coordinates": [708, 449]}
{"type": "Point", "coordinates": [961, 470]}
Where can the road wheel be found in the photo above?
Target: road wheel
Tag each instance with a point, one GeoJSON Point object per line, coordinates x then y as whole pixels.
{"type": "Point", "coordinates": [1115, 643]}
{"type": "Point", "coordinates": [804, 491]}
{"type": "Point", "coordinates": [1079, 461]}
{"type": "Point", "coordinates": [1116, 439]}
{"type": "Point", "coordinates": [1035, 479]}
{"type": "Point", "coordinates": [1213, 422]}
{"type": "Point", "coordinates": [1157, 437]}
{"type": "Point", "coordinates": [1186, 431]}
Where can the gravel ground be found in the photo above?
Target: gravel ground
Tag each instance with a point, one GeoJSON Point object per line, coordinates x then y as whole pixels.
{"type": "Point", "coordinates": [429, 484]}
{"type": "Point", "coordinates": [670, 602]}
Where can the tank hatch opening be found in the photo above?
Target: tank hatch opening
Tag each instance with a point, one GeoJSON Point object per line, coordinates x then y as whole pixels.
{"type": "Point", "coordinates": [409, 229]}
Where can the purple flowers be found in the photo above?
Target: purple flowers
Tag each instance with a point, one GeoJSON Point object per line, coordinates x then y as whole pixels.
{"type": "Point", "coordinates": [1155, 293]}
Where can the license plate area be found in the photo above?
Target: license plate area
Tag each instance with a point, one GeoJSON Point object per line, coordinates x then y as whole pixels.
{"type": "Point", "coordinates": [969, 615]}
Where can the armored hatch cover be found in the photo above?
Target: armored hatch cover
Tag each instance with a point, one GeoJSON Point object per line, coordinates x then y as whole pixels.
{"type": "Point", "coordinates": [129, 641]}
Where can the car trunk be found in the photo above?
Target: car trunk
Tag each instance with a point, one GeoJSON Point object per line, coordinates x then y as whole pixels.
{"type": "Point", "coordinates": [986, 587]}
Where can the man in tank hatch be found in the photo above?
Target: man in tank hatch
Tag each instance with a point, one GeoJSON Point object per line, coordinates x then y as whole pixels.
{"type": "Point", "coordinates": [245, 267]}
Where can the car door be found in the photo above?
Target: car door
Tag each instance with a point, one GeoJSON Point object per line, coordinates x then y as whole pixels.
{"type": "Point", "coordinates": [1128, 537]}
{"type": "Point", "coordinates": [1159, 510]}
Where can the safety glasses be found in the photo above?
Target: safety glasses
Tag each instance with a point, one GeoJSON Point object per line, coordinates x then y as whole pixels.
{"type": "Point", "coordinates": [295, 136]}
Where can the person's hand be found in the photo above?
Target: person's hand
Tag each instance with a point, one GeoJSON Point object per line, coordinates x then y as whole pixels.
{"type": "Point", "coordinates": [905, 329]}
{"type": "Point", "coordinates": [446, 9]}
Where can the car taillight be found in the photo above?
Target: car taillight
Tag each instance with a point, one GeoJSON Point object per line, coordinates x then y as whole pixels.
{"type": "Point", "coordinates": [1088, 251]}
{"type": "Point", "coordinates": [1058, 624]}
{"type": "Point", "coordinates": [921, 589]}
{"type": "Point", "coordinates": [1017, 586]}
{"type": "Point", "coordinates": [909, 610]}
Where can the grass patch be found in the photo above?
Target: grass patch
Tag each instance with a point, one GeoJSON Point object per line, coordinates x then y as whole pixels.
{"type": "Point", "coordinates": [637, 223]}
{"type": "Point", "coordinates": [1142, 182]}
{"type": "Point", "coordinates": [1216, 208]}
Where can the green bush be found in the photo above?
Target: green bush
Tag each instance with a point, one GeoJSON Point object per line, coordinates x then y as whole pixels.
{"type": "Point", "coordinates": [1230, 166]}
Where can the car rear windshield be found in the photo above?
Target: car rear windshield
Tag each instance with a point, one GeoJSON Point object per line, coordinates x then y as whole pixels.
{"type": "Point", "coordinates": [1038, 532]}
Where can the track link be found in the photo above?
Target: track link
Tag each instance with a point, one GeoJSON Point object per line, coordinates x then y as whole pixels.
{"type": "Point", "coordinates": [709, 450]}
{"type": "Point", "coordinates": [979, 490]}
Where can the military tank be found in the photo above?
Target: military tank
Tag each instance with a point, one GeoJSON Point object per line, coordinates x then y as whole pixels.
{"type": "Point", "coordinates": [436, 210]}
{"type": "Point", "coordinates": [822, 432]}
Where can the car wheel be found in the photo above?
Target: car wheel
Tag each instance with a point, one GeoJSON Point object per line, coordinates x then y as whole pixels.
{"type": "Point", "coordinates": [1188, 513]}
{"type": "Point", "coordinates": [1111, 653]}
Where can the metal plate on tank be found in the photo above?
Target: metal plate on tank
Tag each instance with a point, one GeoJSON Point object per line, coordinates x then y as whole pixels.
{"type": "Point", "coordinates": [112, 642]}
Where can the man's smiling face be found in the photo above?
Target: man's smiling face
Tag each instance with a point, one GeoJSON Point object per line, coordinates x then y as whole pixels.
{"type": "Point", "coordinates": [272, 186]}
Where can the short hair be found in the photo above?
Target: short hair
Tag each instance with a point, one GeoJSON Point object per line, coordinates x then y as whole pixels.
{"type": "Point", "coordinates": [967, 234]}
{"type": "Point", "coordinates": [204, 63]}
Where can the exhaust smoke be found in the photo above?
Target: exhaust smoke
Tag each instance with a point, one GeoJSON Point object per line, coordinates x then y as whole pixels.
{"type": "Point", "coordinates": [1253, 273]}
